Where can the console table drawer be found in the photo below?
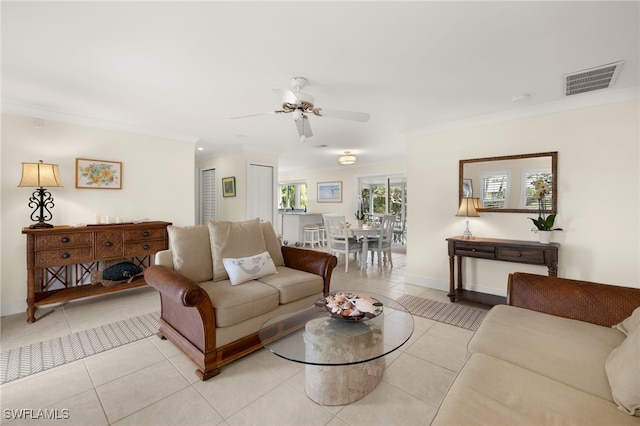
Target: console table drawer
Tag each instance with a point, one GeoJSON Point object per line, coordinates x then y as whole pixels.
{"type": "Point", "coordinates": [144, 234]}
{"type": "Point", "coordinates": [143, 248]}
{"type": "Point", "coordinates": [62, 240]}
{"type": "Point", "coordinates": [521, 255]}
{"type": "Point", "coordinates": [108, 244]}
{"type": "Point", "coordinates": [63, 256]}
{"type": "Point", "coordinates": [469, 250]}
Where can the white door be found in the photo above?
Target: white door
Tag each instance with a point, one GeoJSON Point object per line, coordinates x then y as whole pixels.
{"type": "Point", "coordinates": [260, 192]}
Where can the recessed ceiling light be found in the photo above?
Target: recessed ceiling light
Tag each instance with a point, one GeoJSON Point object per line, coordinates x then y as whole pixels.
{"type": "Point", "coordinates": [200, 148]}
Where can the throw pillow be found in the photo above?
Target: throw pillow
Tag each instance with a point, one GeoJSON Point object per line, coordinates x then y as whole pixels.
{"type": "Point", "coordinates": [623, 371]}
{"type": "Point", "coordinates": [271, 240]}
{"type": "Point", "coordinates": [234, 240]}
{"type": "Point", "coordinates": [630, 323]}
{"type": "Point", "coordinates": [249, 268]}
{"type": "Point", "coordinates": [191, 251]}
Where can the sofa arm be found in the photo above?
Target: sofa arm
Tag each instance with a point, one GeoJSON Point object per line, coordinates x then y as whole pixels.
{"type": "Point", "coordinates": [600, 304]}
{"type": "Point", "coordinates": [174, 285]}
{"type": "Point", "coordinates": [314, 262]}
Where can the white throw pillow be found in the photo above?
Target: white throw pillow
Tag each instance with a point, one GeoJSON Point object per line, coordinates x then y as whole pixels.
{"type": "Point", "coordinates": [630, 323]}
{"type": "Point", "coordinates": [623, 371]}
{"type": "Point", "coordinates": [243, 269]}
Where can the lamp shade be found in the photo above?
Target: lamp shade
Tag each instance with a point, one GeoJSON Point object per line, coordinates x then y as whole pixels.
{"type": "Point", "coordinates": [468, 207]}
{"type": "Point", "coordinates": [39, 175]}
{"type": "Point", "coordinates": [347, 158]}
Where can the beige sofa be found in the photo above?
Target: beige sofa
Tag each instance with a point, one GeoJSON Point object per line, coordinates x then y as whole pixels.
{"type": "Point", "coordinates": [219, 283]}
{"type": "Point", "coordinates": [551, 356]}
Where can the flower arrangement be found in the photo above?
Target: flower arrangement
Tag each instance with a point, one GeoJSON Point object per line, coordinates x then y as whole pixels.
{"type": "Point", "coordinates": [543, 222]}
{"type": "Point", "coordinates": [352, 305]}
{"type": "Point", "coordinates": [360, 213]}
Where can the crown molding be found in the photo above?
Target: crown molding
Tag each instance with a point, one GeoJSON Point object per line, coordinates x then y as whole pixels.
{"type": "Point", "coordinates": [575, 102]}
{"type": "Point", "coordinates": [79, 120]}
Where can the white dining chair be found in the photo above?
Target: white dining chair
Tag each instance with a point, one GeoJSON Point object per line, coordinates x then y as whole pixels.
{"type": "Point", "coordinates": [381, 245]}
{"type": "Point", "coordinates": [340, 241]}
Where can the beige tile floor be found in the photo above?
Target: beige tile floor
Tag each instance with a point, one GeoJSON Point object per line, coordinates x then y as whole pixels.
{"type": "Point", "coordinates": [150, 382]}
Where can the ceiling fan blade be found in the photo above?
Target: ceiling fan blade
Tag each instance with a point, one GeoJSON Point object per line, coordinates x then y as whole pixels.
{"type": "Point", "coordinates": [304, 128]}
{"type": "Point", "coordinates": [344, 115]}
{"type": "Point", "coordinates": [257, 114]}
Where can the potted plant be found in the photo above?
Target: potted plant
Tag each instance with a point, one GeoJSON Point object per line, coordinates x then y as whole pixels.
{"type": "Point", "coordinates": [544, 224]}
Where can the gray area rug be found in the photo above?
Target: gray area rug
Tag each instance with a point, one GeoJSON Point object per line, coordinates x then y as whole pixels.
{"type": "Point", "coordinates": [448, 313]}
{"type": "Point", "coordinates": [26, 360]}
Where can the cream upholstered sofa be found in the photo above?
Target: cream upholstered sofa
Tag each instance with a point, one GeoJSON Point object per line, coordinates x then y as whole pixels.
{"type": "Point", "coordinates": [220, 282]}
{"type": "Point", "coordinates": [551, 356]}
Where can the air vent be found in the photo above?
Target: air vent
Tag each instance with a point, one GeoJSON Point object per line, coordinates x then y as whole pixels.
{"type": "Point", "coordinates": [592, 79]}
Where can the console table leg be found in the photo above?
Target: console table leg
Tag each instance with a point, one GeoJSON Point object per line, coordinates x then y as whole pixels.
{"type": "Point", "coordinates": [452, 290]}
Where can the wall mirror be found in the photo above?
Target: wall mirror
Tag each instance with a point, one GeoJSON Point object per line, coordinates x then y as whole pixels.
{"type": "Point", "coordinates": [506, 184]}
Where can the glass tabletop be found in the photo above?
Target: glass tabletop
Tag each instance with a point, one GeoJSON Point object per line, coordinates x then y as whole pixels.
{"type": "Point", "coordinates": [315, 336]}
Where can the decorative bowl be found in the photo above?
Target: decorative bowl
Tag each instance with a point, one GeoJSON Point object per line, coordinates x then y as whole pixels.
{"type": "Point", "coordinates": [351, 306]}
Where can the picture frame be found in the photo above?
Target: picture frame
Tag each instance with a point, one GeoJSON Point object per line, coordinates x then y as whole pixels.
{"type": "Point", "coordinates": [330, 192]}
{"type": "Point", "coordinates": [229, 186]}
{"type": "Point", "coordinates": [98, 174]}
{"type": "Point", "coordinates": [467, 188]}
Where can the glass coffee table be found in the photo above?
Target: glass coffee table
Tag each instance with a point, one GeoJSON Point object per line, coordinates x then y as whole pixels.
{"type": "Point", "coordinates": [344, 359]}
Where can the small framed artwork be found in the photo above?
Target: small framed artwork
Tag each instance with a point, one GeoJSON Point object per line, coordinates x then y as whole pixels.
{"type": "Point", "coordinates": [98, 174]}
{"type": "Point", "coordinates": [330, 192]}
{"type": "Point", "coordinates": [229, 186]}
{"type": "Point", "coordinates": [467, 188]}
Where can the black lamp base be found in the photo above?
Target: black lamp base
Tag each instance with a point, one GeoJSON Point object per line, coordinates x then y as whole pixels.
{"type": "Point", "coordinates": [39, 225]}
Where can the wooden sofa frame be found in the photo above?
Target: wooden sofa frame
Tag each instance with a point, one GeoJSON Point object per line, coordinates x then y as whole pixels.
{"type": "Point", "coordinates": [187, 316]}
{"type": "Point", "coordinates": [596, 303]}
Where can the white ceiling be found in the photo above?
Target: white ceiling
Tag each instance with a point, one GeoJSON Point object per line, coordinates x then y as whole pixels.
{"type": "Point", "coordinates": [181, 69]}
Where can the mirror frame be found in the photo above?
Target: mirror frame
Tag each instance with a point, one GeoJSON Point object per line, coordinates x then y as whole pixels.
{"type": "Point", "coordinates": [554, 180]}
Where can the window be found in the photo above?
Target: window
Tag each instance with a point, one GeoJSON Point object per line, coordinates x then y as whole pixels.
{"type": "Point", "coordinates": [384, 194]}
{"type": "Point", "coordinates": [208, 196]}
{"type": "Point", "coordinates": [495, 189]}
{"type": "Point", "coordinates": [293, 195]}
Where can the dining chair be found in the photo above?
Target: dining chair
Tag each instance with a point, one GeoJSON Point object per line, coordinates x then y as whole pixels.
{"type": "Point", "coordinates": [340, 240]}
{"type": "Point", "coordinates": [400, 232]}
{"type": "Point", "coordinates": [381, 245]}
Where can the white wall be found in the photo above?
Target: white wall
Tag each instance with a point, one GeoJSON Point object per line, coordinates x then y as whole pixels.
{"type": "Point", "coordinates": [236, 164]}
{"type": "Point", "coordinates": [157, 183]}
{"type": "Point", "coordinates": [348, 175]}
{"type": "Point", "coordinates": [598, 196]}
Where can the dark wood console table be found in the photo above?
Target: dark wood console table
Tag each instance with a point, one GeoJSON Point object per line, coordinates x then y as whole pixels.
{"type": "Point", "coordinates": [529, 252]}
{"type": "Point", "coordinates": [60, 260]}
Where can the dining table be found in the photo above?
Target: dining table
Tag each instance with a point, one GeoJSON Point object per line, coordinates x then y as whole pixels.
{"type": "Point", "coordinates": [364, 232]}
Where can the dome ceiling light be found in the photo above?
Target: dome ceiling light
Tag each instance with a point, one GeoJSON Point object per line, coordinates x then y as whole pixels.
{"type": "Point", "coordinates": [347, 159]}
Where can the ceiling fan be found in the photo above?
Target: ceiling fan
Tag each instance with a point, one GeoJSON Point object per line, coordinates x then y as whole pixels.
{"type": "Point", "coordinates": [300, 104]}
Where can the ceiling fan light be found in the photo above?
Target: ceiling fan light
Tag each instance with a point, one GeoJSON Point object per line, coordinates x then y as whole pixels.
{"type": "Point", "coordinates": [347, 159]}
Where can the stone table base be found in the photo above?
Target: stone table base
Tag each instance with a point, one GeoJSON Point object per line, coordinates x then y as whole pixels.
{"type": "Point", "coordinates": [334, 342]}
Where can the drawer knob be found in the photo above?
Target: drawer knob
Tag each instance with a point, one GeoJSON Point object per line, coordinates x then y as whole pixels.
{"type": "Point", "coordinates": [108, 244]}
{"type": "Point", "coordinates": [65, 239]}
{"type": "Point", "coordinates": [473, 249]}
{"type": "Point", "coordinates": [146, 246]}
{"type": "Point", "coordinates": [65, 255]}
{"type": "Point", "coordinates": [145, 234]}
{"type": "Point", "coordinates": [518, 254]}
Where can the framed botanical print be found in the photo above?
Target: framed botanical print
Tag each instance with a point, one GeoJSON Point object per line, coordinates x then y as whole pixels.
{"type": "Point", "coordinates": [98, 174]}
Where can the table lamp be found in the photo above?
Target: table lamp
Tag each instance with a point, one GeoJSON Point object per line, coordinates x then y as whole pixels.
{"type": "Point", "coordinates": [468, 209]}
{"type": "Point", "coordinates": [38, 175]}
